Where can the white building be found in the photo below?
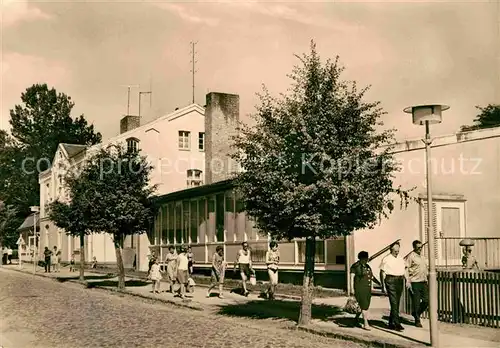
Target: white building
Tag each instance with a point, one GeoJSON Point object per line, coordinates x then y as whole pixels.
{"type": "Point", "coordinates": [175, 145]}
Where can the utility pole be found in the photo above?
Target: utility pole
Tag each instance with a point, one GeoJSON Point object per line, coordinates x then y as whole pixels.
{"type": "Point", "coordinates": [128, 96]}
{"type": "Point", "coordinates": [193, 63]}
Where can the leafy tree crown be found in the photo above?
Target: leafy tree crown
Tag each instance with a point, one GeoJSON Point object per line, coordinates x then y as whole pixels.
{"type": "Point", "coordinates": [315, 164]}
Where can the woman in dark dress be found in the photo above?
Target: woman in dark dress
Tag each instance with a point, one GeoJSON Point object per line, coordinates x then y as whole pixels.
{"type": "Point", "coordinates": [361, 283]}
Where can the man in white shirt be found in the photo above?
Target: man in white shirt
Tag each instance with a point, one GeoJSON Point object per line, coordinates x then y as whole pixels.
{"type": "Point", "coordinates": [392, 276]}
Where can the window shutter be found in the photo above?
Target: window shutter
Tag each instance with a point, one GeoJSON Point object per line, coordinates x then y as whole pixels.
{"type": "Point", "coordinates": [434, 221]}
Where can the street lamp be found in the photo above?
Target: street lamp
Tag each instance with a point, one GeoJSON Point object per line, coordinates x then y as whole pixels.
{"type": "Point", "coordinates": [35, 209]}
{"type": "Point", "coordinates": [427, 115]}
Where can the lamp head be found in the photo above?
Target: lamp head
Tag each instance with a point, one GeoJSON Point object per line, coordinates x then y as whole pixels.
{"type": "Point", "coordinates": [423, 113]}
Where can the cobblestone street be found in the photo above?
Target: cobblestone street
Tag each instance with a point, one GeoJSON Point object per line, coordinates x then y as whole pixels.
{"type": "Point", "coordinates": [39, 312]}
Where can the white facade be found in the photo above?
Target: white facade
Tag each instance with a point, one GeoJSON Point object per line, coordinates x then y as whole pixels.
{"type": "Point", "coordinates": [174, 145]}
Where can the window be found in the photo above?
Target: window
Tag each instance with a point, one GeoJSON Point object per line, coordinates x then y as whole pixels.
{"type": "Point", "coordinates": [184, 140]}
{"type": "Point", "coordinates": [449, 228]}
{"type": "Point", "coordinates": [194, 178]}
{"type": "Point", "coordinates": [194, 222]}
{"type": "Point", "coordinates": [132, 145]}
{"type": "Point", "coordinates": [201, 141]}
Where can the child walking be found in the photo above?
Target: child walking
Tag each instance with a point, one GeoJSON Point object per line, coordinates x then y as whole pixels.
{"type": "Point", "coordinates": [72, 263]}
{"type": "Point", "coordinates": [218, 271]}
{"type": "Point", "coordinates": [156, 275]}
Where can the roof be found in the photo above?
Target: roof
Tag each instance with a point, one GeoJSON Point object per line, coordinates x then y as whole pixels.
{"type": "Point", "coordinates": [73, 149]}
{"type": "Point", "coordinates": [196, 191]}
{"type": "Point", "coordinates": [28, 223]}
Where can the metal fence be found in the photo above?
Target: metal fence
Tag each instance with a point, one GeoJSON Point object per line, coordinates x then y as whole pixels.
{"type": "Point", "coordinates": [465, 297]}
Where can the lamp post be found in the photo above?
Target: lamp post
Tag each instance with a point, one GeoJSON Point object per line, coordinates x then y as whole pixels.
{"type": "Point", "coordinates": [427, 115]}
{"type": "Point", "coordinates": [35, 210]}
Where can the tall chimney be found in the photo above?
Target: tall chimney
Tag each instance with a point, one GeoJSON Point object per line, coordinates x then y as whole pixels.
{"type": "Point", "coordinates": [129, 122]}
{"type": "Point", "coordinates": [222, 114]}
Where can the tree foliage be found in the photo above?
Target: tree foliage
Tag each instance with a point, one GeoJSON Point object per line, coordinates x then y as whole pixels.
{"type": "Point", "coordinates": [316, 165]}
{"type": "Point", "coordinates": [488, 117]}
{"type": "Point", "coordinates": [113, 196]}
{"type": "Point", "coordinates": [39, 124]}
{"type": "Point", "coordinates": [8, 217]}
{"type": "Point", "coordinates": [73, 214]}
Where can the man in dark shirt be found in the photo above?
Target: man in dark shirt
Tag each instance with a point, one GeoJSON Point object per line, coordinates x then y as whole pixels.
{"type": "Point", "coordinates": [47, 253]}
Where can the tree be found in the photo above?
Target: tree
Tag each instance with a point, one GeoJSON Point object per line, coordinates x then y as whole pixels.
{"type": "Point", "coordinates": [7, 217]}
{"type": "Point", "coordinates": [315, 165]}
{"type": "Point", "coordinates": [73, 215]}
{"type": "Point", "coordinates": [115, 186]}
{"type": "Point", "coordinates": [38, 126]}
{"type": "Point", "coordinates": [488, 117]}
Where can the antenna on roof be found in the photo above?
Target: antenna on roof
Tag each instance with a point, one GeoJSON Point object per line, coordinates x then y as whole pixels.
{"type": "Point", "coordinates": [150, 92]}
{"type": "Point", "coordinates": [193, 62]}
{"type": "Point", "coordinates": [128, 96]}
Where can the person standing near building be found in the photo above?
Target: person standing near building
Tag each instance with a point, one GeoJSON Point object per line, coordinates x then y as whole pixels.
{"type": "Point", "coordinates": [156, 275]}
{"type": "Point", "coordinates": [190, 257]}
{"type": "Point", "coordinates": [392, 276]}
{"type": "Point", "coordinates": [171, 266]}
{"type": "Point", "coordinates": [152, 260]}
{"type": "Point", "coordinates": [417, 269]}
{"type": "Point", "coordinates": [182, 271]}
{"type": "Point", "coordinates": [4, 255]}
{"type": "Point", "coordinates": [244, 262]}
{"type": "Point", "coordinates": [272, 261]}
{"type": "Point", "coordinates": [47, 254]}
{"type": "Point", "coordinates": [218, 271]}
{"type": "Point", "coordinates": [9, 255]}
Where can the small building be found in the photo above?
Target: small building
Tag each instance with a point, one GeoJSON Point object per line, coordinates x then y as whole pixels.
{"type": "Point", "coordinates": [27, 232]}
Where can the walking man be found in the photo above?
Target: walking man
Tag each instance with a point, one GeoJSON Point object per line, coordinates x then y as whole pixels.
{"type": "Point", "coordinates": [417, 270]}
{"type": "Point", "coordinates": [392, 275]}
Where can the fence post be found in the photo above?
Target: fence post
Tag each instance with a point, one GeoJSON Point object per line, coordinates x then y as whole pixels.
{"type": "Point", "coordinates": [455, 299]}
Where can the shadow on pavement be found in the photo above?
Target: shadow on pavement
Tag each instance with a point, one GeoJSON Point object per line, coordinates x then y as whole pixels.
{"type": "Point", "coordinates": [382, 325]}
{"type": "Point", "coordinates": [276, 309]}
{"type": "Point", "coordinates": [114, 283]}
{"type": "Point", "coordinates": [90, 277]}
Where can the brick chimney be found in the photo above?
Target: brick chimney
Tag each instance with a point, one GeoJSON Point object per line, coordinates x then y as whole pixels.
{"type": "Point", "coordinates": [129, 122]}
{"type": "Point", "coordinates": [222, 114]}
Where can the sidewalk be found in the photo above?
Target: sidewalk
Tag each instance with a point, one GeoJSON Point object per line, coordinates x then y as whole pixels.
{"type": "Point", "coordinates": [328, 317]}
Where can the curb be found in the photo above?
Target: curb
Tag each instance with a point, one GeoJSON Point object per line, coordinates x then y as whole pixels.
{"type": "Point", "coordinates": [88, 285]}
{"type": "Point", "coordinates": [366, 339]}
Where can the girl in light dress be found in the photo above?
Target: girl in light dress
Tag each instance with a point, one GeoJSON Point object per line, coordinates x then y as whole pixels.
{"type": "Point", "coordinates": [171, 263]}
{"type": "Point", "coordinates": [156, 275]}
{"type": "Point", "coordinates": [54, 259]}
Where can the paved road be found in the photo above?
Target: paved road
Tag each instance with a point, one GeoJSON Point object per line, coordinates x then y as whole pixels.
{"type": "Point", "coordinates": [40, 312]}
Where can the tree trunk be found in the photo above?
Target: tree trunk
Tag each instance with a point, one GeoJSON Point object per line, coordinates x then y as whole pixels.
{"type": "Point", "coordinates": [308, 284]}
{"type": "Point", "coordinates": [119, 262]}
{"type": "Point", "coordinates": [82, 257]}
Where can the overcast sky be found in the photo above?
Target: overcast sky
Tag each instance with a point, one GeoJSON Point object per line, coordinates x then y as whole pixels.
{"type": "Point", "coordinates": [411, 52]}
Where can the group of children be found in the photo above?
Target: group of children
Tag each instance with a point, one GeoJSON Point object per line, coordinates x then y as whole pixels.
{"type": "Point", "coordinates": [179, 268]}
